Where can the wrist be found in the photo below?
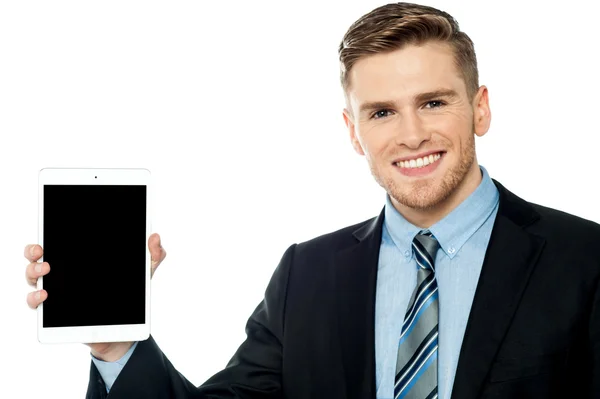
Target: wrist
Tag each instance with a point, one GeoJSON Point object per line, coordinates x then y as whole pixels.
{"type": "Point", "coordinates": [110, 351]}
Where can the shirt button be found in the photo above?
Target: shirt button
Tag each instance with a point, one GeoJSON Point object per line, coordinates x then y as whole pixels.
{"type": "Point", "coordinates": [451, 250]}
{"type": "Point", "coordinates": [407, 254]}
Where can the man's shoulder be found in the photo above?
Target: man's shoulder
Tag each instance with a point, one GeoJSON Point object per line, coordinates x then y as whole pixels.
{"type": "Point", "coordinates": [555, 220]}
{"type": "Point", "coordinates": [566, 232]}
{"type": "Point", "coordinates": [336, 240]}
{"type": "Point", "coordinates": [543, 220]}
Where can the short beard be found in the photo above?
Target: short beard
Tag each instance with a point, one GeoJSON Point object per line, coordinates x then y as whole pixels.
{"type": "Point", "coordinates": [423, 196]}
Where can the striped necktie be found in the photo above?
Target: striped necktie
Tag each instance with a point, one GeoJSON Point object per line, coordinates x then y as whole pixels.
{"type": "Point", "coordinates": [416, 366]}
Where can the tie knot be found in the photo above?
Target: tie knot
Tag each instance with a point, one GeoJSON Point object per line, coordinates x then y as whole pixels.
{"type": "Point", "coordinates": [425, 247]}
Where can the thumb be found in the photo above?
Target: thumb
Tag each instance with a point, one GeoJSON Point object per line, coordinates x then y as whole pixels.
{"type": "Point", "coordinates": [157, 252]}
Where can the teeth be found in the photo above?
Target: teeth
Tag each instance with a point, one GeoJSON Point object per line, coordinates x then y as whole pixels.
{"type": "Point", "coordinates": [419, 162]}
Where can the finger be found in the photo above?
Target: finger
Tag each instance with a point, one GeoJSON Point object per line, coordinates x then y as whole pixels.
{"type": "Point", "coordinates": [155, 247]}
{"type": "Point", "coordinates": [34, 298]}
{"type": "Point", "coordinates": [155, 263]}
{"type": "Point", "coordinates": [157, 256]}
{"type": "Point", "coordinates": [157, 252]}
{"type": "Point", "coordinates": [35, 270]}
{"type": "Point", "coordinates": [33, 252]}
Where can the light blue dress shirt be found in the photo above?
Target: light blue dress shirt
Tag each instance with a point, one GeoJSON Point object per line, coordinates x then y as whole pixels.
{"type": "Point", "coordinates": [109, 371]}
{"type": "Point", "coordinates": [463, 236]}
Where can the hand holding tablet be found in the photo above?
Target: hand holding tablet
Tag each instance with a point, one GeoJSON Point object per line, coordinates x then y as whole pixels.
{"type": "Point", "coordinates": [94, 225]}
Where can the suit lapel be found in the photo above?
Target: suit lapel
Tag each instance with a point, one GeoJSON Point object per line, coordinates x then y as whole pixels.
{"type": "Point", "coordinates": [355, 279]}
{"type": "Point", "coordinates": [509, 261]}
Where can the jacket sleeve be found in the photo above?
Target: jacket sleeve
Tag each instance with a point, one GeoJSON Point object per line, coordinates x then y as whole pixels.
{"type": "Point", "coordinates": [595, 345]}
{"type": "Point", "coordinates": [253, 372]}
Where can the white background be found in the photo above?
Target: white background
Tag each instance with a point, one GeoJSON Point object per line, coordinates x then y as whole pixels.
{"type": "Point", "coordinates": [235, 107]}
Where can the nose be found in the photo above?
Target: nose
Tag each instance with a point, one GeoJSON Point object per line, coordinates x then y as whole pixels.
{"type": "Point", "coordinates": [412, 131]}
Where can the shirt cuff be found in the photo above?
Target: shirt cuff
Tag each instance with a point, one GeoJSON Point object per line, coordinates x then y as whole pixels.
{"type": "Point", "coordinates": [109, 371]}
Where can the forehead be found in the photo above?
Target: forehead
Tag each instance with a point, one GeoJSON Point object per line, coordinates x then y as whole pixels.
{"type": "Point", "coordinates": [404, 73]}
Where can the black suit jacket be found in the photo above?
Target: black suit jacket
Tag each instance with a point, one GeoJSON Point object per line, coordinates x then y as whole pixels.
{"type": "Point", "coordinates": [533, 330]}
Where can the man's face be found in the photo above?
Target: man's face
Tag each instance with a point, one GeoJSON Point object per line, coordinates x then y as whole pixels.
{"type": "Point", "coordinates": [410, 115]}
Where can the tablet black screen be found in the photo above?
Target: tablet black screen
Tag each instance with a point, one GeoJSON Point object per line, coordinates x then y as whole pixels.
{"type": "Point", "coordinates": [95, 242]}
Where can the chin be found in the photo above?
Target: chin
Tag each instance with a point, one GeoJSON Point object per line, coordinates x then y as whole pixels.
{"type": "Point", "coordinates": [426, 193]}
{"type": "Point", "coordinates": [422, 195]}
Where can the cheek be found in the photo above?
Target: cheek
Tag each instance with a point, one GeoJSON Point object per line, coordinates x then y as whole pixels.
{"type": "Point", "coordinates": [448, 123]}
{"type": "Point", "coordinates": [454, 132]}
{"type": "Point", "coordinates": [461, 124]}
{"type": "Point", "coordinates": [376, 141]}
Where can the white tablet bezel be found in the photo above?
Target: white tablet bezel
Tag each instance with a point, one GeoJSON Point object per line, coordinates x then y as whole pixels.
{"type": "Point", "coordinates": [97, 176]}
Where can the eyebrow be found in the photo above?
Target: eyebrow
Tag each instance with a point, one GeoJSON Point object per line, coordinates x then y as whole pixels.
{"type": "Point", "coordinates": [419, 98]}
{"type": "Point", "coordinates": [432, 95]}
{"type": "Point", "coordinates": [375, 105]}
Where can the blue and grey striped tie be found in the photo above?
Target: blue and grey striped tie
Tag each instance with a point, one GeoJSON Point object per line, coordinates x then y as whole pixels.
{"type": "Point", "coordinates": [416, 366]}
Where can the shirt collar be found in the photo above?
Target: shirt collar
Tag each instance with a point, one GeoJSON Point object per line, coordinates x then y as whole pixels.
{"type": "Point", "coordinates": [453, 231]}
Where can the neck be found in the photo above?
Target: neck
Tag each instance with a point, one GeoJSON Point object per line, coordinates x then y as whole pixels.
{"type": "Point", "coordinates": [425, 218]}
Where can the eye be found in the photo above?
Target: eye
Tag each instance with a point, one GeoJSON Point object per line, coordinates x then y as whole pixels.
{"type": "Point", "coordinates": [381, 114]}
{"type": "Point", "coordinates": [434, 104]}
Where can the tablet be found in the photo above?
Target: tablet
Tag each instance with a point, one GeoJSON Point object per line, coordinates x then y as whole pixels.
{"type": "Point", "coordinates": [94, 226]}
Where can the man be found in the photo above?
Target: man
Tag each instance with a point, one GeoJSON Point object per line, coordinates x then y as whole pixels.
{"type": "Point", "coordinates": [458, 288]}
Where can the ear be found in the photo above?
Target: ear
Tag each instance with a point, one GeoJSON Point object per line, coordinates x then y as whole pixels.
{"type": "Point", "coordinates": [352, 130]}
{"type": "Point", "coordinates": [482, 115]}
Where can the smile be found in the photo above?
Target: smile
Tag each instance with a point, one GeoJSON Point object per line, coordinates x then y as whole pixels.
{"type": "Point", "coordinates": [419, 162]}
